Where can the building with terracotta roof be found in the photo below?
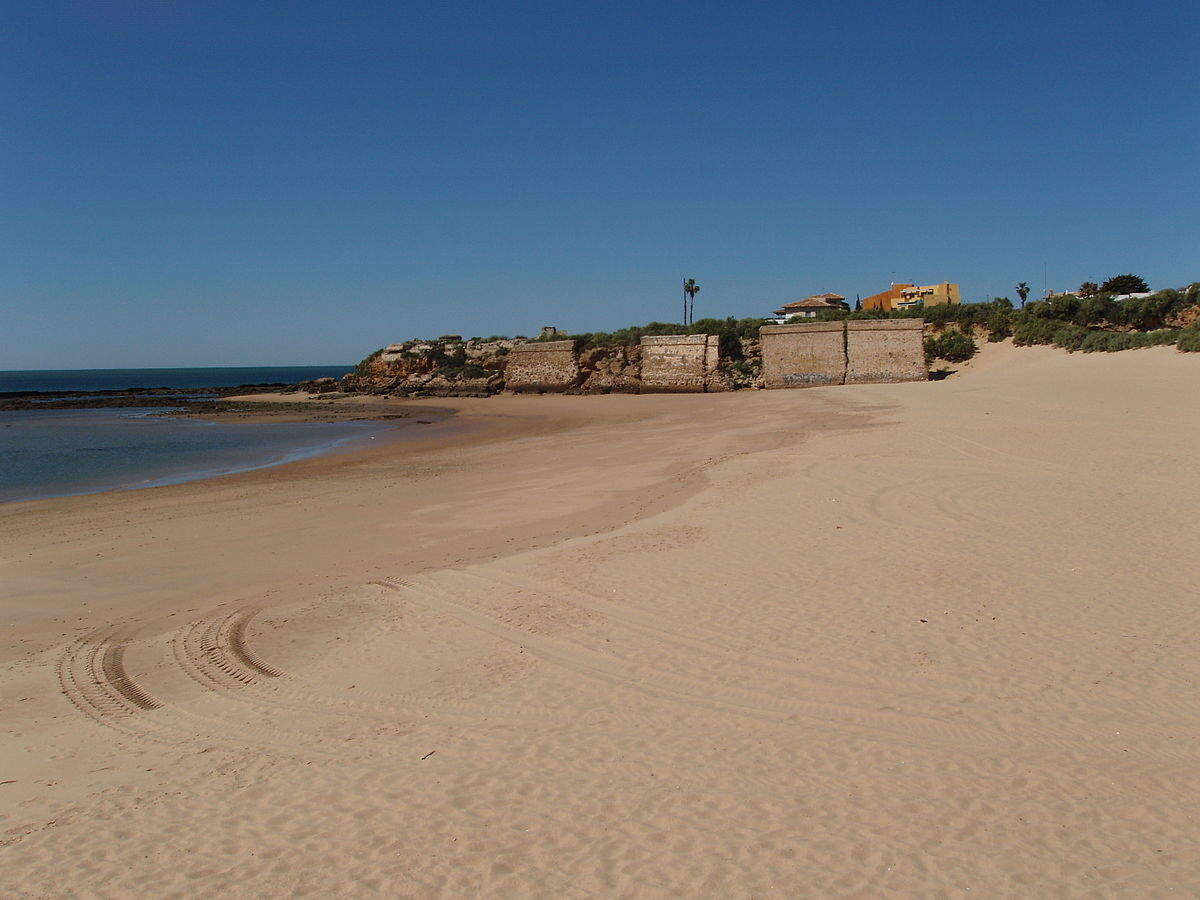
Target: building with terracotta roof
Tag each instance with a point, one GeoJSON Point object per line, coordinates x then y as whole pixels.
{"type": "Point", "coordinates": [809, 307]}
{"type": "Point", "coordinates": [908, 296]}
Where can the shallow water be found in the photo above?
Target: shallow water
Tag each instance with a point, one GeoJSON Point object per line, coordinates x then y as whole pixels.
{"type": "Point", "coordinates": [55, 453]}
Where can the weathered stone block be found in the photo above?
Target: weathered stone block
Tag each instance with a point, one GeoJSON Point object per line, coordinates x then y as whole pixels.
{"type": "Point", "coordinates": [803, 355]}
{"type": "Point", "coordinates": [885, 350]}
{"type": "Point", "coordinates": [680, 362]}
{"type": "Point", "coordinates": [542, 366]}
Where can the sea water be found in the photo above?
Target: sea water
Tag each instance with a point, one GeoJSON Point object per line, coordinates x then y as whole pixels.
{"type": "Point", "coordinates": [55, 453]}
{"type": "Point", "coordinates": [51, 380]}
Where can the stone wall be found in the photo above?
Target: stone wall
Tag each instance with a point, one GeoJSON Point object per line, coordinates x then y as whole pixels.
{"type": "Point", "coordinates": [803, 355]}
{"type": "Point", "coordinates": [861, 351]}
{"type": "Point", "coordinates": [885, 350]}
{"type": "Point", "coordinates": [542, 366]}
{"type": "Point", "coordinates": [680, 362]}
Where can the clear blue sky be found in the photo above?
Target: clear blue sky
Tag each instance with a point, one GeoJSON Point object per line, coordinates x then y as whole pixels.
{"type": "Point", "coordinates": [290, 183]}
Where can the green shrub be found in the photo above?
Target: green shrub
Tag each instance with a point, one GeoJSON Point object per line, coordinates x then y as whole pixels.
{"type": "Point", "coordinates": [1112, 341]}
{"type": "Point", "coordinates": [1101, 341]}
{"type": "Point", "coordinates": [448, 365]}
{"type": "Point", "coordinates": [1163, 336]}
{"type": "Point", "coordinates": [1096, 310]}
{"type": "Point", "coordinates": [1070, 336]}
{"type": "Point", "coordinates": [1034, 329]}
{"type": "Point", "coordinates": [749, 368]}
{"type": "Point", "coordinates": [1189, 339]}
{"type": "Point", "coordinates": [1064, 308]}
{"type": "Point", "coordinates": [998, 322]}
{"type": "Point", "coordinates": [952, 346]}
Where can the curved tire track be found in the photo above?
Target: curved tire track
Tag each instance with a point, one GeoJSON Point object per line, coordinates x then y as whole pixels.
{"type": "Point", "coordinates": [92, 675]}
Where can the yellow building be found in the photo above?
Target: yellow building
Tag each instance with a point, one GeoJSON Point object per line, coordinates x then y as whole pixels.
{"type": "Point", "coordinates": [907, 296]}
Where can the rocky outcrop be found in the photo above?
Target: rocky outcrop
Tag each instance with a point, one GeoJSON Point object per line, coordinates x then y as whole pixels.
{"type": "Point", "coordinates": [607, 370]}
{"type": "Point", "coordinates": [1185, 318]}
{"type": "Point", "coordinates": [474, 368]}
{"type": "Point", "coordinates": [317, 386]}
{"type": "Point", "coordinates": [451, 368]}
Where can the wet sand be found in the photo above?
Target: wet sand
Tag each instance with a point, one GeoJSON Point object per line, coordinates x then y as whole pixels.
{"type": "Point", "coordinates": [913, 638]}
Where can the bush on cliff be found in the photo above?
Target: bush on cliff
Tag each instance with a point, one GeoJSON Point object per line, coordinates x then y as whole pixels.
{"type": "Point", "coordinates": [729, 330]}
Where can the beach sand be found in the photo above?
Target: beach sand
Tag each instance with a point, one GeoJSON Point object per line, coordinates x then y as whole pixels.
{"type": "Point", "coordinates": [934, 639]}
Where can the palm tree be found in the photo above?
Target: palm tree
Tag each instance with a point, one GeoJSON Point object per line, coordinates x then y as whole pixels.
{"type": "Point", "coordinates": [690, 290]}
{"type": "Point", "coordinates": [1023, 292]}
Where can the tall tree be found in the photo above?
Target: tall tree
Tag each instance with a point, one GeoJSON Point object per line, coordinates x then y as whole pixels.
{"type": "Point", "coordinates": [1088, 289]}
{"type": "Point", "coordinates": [1125, 284]}
{"type": "Point", "coordinates": [690, 290]}
{"type": "Point", "coordinates": [1023, 292]}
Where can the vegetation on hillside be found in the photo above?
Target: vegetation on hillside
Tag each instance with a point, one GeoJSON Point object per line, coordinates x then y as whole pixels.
{"type": "Point", "coordinates": [1084, 321]}
{"type": "Point", "coordinates": [1101, 323]}
{"type": "Point", "coordinates": [731, 331]}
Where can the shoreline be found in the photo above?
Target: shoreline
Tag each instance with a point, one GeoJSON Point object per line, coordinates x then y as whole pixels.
{"type": "Point", "coordinates": [394, 426]}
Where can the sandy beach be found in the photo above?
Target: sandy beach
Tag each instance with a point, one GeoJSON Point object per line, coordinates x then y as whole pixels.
{"type": "Point", "coordinates": [923, 639]}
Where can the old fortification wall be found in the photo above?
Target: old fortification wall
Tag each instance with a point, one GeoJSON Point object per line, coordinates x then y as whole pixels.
{"type": "Point", "coordinates": [542, 366]}
{"type": "Point", "coordinates": [861, 351]}
{"type": "Point", "coordinates": [680, 362]}
{"type": "Point", "coordinates": [803, 355]}
{"type": "Point", "coordinates": [885, 350]}
{"type": "Point", "coordinates": [797, 355]}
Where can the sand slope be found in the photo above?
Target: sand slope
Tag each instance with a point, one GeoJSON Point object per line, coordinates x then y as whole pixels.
{"type": "Point", "coordinates": [843, 641]}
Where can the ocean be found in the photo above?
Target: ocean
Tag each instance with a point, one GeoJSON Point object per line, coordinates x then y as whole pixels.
{"type": "Point", "coordinates": [61, 452]}
{"type": "Point", "coordinates": [51, 380]}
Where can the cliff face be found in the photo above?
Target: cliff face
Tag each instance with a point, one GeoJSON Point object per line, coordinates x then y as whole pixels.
{"type": "Point", "coordinates": [479, 368]}
{"type": "Point", "coordinates": [425, 369]}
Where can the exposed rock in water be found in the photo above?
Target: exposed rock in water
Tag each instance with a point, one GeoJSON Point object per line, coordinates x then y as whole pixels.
{"type": "Point", "coordinates": [319, 386]}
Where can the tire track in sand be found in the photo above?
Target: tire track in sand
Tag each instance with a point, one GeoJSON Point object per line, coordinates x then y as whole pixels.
{"type": "Point", "coordinates": [92, 675]}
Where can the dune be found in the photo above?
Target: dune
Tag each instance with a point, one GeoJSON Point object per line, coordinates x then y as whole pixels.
{"type": "Point", "coordinates": [932, 639]}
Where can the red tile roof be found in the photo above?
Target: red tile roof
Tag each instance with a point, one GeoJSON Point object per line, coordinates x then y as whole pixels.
{"type": "Point", "coordinates": [819, 301]}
